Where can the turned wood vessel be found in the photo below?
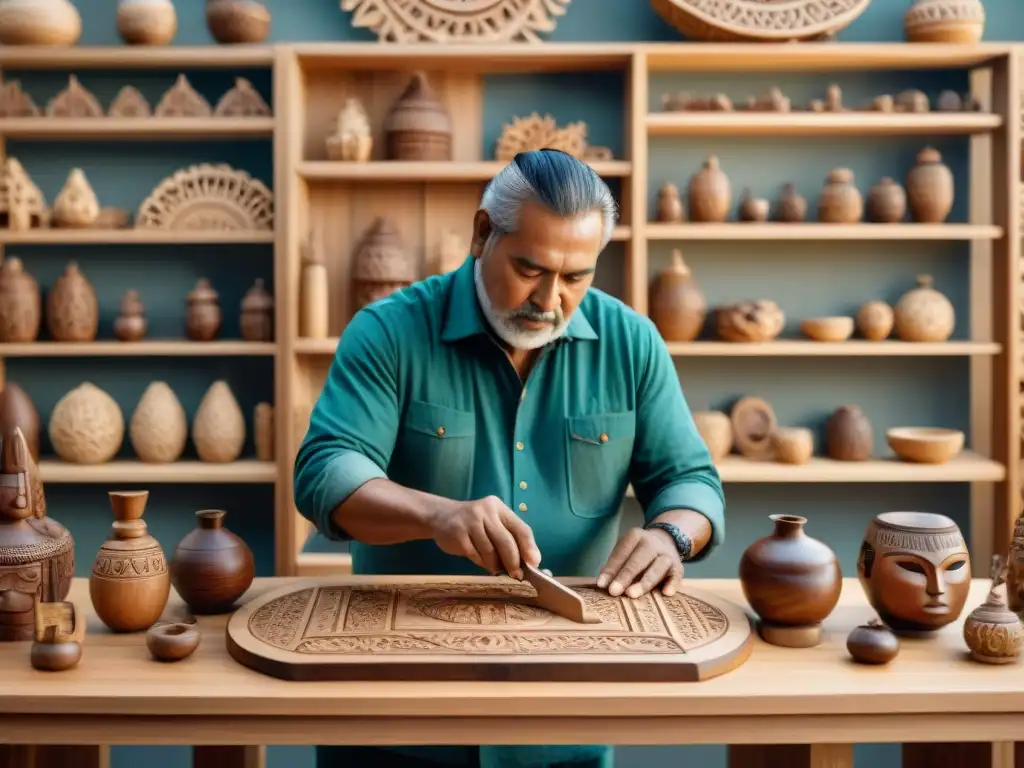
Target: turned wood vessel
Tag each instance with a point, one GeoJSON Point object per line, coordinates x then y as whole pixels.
{"type": "Point", "coordinates": [21, 305]}
{"type": "Point", "coordinates": [1015, 569]}
{"type": "Point", "coordinates": [678, 308]}
{"type": "Point", "coordinates": [792, 582]}
{"type": "Point", "coordinates": [203, 316]}
{"type": "Point", "coordinates": [172, 642]}
{"type": "Point", "coordinates": [872, 643]}
{"type": "Point", "coordinates": [212, 567]}
{"type": "Point", "coordinates": [849, 435]}
{"type": "Point", "coordinates": [257, 321]}
{"type": "Point", "coordinates": [992, 631]}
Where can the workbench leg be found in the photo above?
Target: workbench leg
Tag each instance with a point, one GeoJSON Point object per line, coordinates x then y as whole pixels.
{"type": "Point", "coordinates": [229, 757]}
{"type": "Point", "coordinates": [57, 756]}
{"type": "Point", "coordinates": [947, 755]}
{"type": "Point", "coordinates": [791, 756]}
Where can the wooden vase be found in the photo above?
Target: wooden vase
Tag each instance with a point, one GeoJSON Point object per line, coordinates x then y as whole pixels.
{"type": "Point", "coordinates": [237, 21]}
{"type": "Point", "coordinates": [72, 309]}
{"type": "Point", "coordinates": [792, 583]}
{"type": "Point", "coordinates": [158, 429]}
{"type": "Point", "coordinates": [930, 189]}
{"type": "Point", "coordinates": [418, 126]}
{"type": "Point", "coordinates": [678, 308]}
{"type": "Point", "coordinates": [203, 316]}
{"type": "Point", "coordinates": [887, 202]}
{"type": "Point", "coordinates": [710, 194]}
{"type": "Point", "coordinates": [257, 321]}
{"type": "Point", "coordinates": [129, 583]}
{"type": "Point", "coordinates": [212, 567]}
{"type": "Point", "coordinates": [840, 202]}
{"type": "Point", "coordinates": [21, 305]}
{"type": "Point", "coordinates": [131, 324]}
{"type": "Point", "coordinates": [792, 206]}
{"type": "Point", "coordinates": [849, 435]}
{"type": "Point", "coordinates": [923, 314]}
{"type": "Point", "coordinates": [218, 429]}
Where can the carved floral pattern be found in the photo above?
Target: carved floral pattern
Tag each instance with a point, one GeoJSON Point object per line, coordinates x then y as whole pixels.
{"type": "Point", "coordinates": [993, 640]}
{"type": "Point", "coordinates": [140, 564]}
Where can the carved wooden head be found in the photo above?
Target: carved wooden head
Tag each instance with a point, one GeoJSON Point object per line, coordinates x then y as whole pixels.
{"type": "Point", "coordinates": [15, 501]}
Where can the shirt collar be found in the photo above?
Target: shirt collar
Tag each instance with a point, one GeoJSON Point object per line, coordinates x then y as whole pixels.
{"type": "Point", "coordinates": [464, 317]}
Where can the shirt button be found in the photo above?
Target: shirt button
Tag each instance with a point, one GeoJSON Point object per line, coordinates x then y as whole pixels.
{"type": "Point", "coordinates": [522, 485]}
{"type": "Point", "coordinates": [520, 446]}
{"type": "Point", "coordinates": [440, 431]}
{"type": "Point", "coordinates": [604, 437]}
{"type": "Point", "coordinates": [522, 507]}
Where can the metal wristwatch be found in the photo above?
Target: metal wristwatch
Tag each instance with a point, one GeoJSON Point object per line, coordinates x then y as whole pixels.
{"type": "Point", "coordinates": [683, 542]}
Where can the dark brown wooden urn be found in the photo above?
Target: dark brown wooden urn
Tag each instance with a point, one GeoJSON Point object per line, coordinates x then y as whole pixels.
{"type": "Point", "coordinates": [212, 567]}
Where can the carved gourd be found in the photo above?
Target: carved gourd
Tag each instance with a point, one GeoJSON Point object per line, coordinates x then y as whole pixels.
{"type": "Point", "coordinates": [86, 426]}
{"type": "Point", "coordinates": [72, 310]}
{"type": "Point", "coordinates": [147, 22]}
{"type": "Point", "coordinates": [930, 188]}
{"type": "Point", "coordinates": [848, 435]}
{"type": "Point", "coordinates": [218, 430]}
{"type": "Point", "coordinates": [158, 429]}
{"type": "Point", "coordinates": [710, 193]}
{"type": "Point", "coordinates": [418, 126]}
{"type": "Point", "coordinates": [678, 308]}
{"type": "Point", "coordinates": [923, 314]}
{"type": "Point", "coordinates": [21, 304]}
{"type": "Point", "coordinates": [39, 22]}
{"type": "Point", "coordinates": [257, 319]}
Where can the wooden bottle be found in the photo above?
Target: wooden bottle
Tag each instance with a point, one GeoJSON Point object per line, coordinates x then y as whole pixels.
{"type": "Point", "coordinates": [129, 583]}
{"type": "Point", "coordinates": [212, 567]}
{"type": "Point", "coordinates": [257, 320]}
{"type": "Point", "coordinates": [313, 309]}
{"type": "Point", "coordinates": [203, 318]}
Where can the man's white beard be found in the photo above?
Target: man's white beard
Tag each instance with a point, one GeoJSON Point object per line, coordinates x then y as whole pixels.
{"type": "Point", "coordinates": [504, 323]}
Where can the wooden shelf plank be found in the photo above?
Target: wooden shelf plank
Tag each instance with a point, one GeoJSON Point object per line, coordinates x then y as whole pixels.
{"type": "Point", "coordinates": [154, 348]}
{"type": "Point", "coordinates": [135, 57]}
{"type": "Point", "coordinates": [128, 471]}
{"type": "Point", "coordinates": [820, 124]}
{"type": "Point", "coordinates": [400, 171]}
{"type": "Point", "coordinates": [818, 231]}
{"type": "Point", "coordinates": [621, 234]}
{"type": "Point", "coordinates": [152, 128]}
{"type": "Point", "coordinates": [132, 236]}
{"type": "Point", "coordinates": [852, 348]}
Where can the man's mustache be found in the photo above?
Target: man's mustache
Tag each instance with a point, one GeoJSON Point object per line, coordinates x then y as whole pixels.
{"type": "Point", "coordinates": [534, 314]}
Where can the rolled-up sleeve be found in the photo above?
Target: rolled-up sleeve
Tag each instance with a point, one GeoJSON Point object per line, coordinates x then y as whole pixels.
{"type": "Point", "coordinates": [671, 468]}
{"type": "Point", "coordinates": [353, 426]}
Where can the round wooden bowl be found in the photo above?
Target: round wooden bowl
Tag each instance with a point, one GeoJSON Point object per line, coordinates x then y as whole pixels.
{"type": "Point", "coordinates": [172, 642]}
{"type": "Point", "coordinates": [925, 445]}
{"type": "Point", "coordinates": [828, 328]}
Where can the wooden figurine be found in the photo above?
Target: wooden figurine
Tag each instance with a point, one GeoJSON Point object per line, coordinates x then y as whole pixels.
{"type": "Point", "coordinates": [1014, 568]}
{"type": "Point", "coordinates": [59, 632]}
{"type": "Point", "coordinates": [131, 324]}
{"type": "Point", "coordinates": [257, 321]}
{"type": "Point", "coordinates": [172, 642]}
{"type": "Point", "coordinates": [203, 316]}
{"type": "Point", "coordinates": [993, 632]}
{"type": "Point", "coordinates": [212, 567]}
{"type": "Point", "coordinates": [834, 99]}
{"type": "Point", "coordinates": [670, 205]}
{"type": "Point", "coordinates": [129, 584]}
{"type": "Point", "coordinates": [352, 140]}
{"type": "Point", "coordinates": [37, 554]}
{"type": "Point", "coordinates": [314, 307]}
{"type": "Point", "coordinates": [915, 570]}
{"type": "Point", "coordinates": [792, 582]}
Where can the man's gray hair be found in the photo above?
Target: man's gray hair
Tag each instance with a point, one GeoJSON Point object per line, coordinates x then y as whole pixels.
{"type": "Point", "coordinates": [556, 180]}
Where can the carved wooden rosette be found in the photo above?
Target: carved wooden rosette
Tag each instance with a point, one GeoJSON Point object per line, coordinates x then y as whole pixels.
{"type": "Point", "coordinates": [758, 20]}
{"type": "Point", "coordinates": [526, 134]}
{"type": "Point", "coordinates": [483, 629]}
{"type": "Point", "coordinates": [208, 197]}
{"type": "Point", "coordinates": [469, 21]}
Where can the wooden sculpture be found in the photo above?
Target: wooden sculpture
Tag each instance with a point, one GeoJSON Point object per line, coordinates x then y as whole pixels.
{"type": "Point", "coordinates": [758, 20]}
{"type": "Point", "coordinates": [59, 631]}
{"type": "Point", "coordinates": [182, 100]}
{"type": "Point", "coordinates": [418, 126]}
{"type": "Point", "coordinates": [993, 632]}
{"type": "Point", "coordinates": [130, 102]}
{"type": "Point", "coordinates": [15, 102]}
{"type": "Point", "coordinates": [74, 101]}
{"type": "Point", "coordinates": [441, 21]}
{"type": "Point", "coordinates": [22, 205]}
{"type": "Point", "coordinates": [484, 628]}
{"type": "Point", "coordinates": [242, 101]}
{"type": "Point", "coordinates": [208, 197]}
{"type": "Point", "coordinates": [526, 134]}
{"type": "Point", "coordinates": [37, 554]}
{"type": "Point", "coordinates": [380, 265]}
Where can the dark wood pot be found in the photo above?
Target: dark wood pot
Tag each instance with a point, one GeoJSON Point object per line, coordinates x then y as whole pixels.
{"type": "Point", "coordinates": [212, 567]}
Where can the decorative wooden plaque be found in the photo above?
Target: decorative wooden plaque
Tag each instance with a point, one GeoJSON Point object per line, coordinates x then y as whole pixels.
{"type": "Point", "coordinates": [428, 628]}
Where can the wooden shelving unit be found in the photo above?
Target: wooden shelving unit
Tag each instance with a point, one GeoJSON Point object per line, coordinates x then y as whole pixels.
{"type": "Point", "coordinates": [318, 197]}
{"type": "Point", "coordinates": [131, 59]}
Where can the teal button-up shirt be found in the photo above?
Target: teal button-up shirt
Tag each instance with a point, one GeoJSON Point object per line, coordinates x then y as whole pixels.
{"type": "Point", "coordinates": [420, 393]}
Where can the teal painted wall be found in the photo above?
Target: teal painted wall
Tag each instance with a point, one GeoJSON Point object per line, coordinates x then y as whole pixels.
{"type": "Point", "coordinates": [800, 276]}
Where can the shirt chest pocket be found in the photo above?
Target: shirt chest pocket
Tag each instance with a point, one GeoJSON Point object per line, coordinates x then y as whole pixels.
{"type": "Point", "coordinates": [435, 449]}
{"type": "Point", "coordinates": [598, 450]}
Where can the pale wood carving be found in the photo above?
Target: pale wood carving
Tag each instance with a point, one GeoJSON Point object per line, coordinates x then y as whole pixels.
{"type": "Point", "coordinates": [526, 134]}
{"type": "Point", "coordinates": [14, 102]}
{"type": "Point", "coordinates": [482, 629]}
{"type": "Point", "coordinates": [182, 100]}
{"type": "Point", "coordinates": [208, 197]}
{"type": "Point", "coordinates": [242, 101]}
{"type": "Point", "coordinates": [263, 431]}
{"type": "Point", "coordinates": [758, 20]}
{"type": "Point", "coordinates": [468, 21]}
{"type": "Point", "coordinates": [130, 102]}
{"type": "Point", "coordinates": [58, 622]}
{"type": "Point", "coordinates": [22, 205]}
{"type": "Point", "coordinates": [74, 101]}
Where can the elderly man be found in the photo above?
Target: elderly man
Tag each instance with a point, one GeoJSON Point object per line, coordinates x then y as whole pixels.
{"type": "Point", "coordinates": [495, 415]}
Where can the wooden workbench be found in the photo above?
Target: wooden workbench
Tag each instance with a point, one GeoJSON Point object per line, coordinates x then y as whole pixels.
{"type": "Point", "coordinates": [814, 697]}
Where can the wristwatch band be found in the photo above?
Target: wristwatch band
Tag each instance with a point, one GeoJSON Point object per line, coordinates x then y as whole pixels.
{"type": "Point", "coordinates": [683, 542]}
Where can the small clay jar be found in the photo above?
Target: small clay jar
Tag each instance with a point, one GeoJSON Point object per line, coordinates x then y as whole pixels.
{"type": "Point", "coordinates": [172, 642]}
{"type": "Point", "coordinates": [257, 314]}
{"type": "Point", "coordinates": [923, 314]}
{"type": "Point", "coordinates": [710, 193]}
{"type": "Point", "coordinates": [792, 445]}
{"type": "Point", "coordinates": [792, 206]}
{"type": "Point", "coordinates": [930, 188]}
{"type": "Point", "coordinates": [872, 643]}
{"type": "Point", "coordinates": [677, 306]}
{"type": "Point", "coordinates": [203, 316]}
{"type": "Point", "coordinates": [792, 583]}
{"type": "Point", "coordinates": [21, 304]}
{"type": "Point", "coordinates": [849, 435]}
{"type": "Point", "coordinates": [715, 429]}
{"type": "Point", "coordinates": [131, 324]}
{"type": "Point", "coordinates": [670, 206]}
{"type": "Point", "coordinates": [840, 202]}
{"type": "Point", "coordinates": [72, 309]}
{"type": "Point", "coordinates": [55, 657]}
{"type": "Point", "coordinates": [875, 320]}
{"type": "Point", "coordinates": [212, 567]}
{"type": "Point", "coordinates": [129, 584]}
{"type": "Point", "coordinates": [753, 208]}
{"type": "Point", "coordinates": [887, 202]}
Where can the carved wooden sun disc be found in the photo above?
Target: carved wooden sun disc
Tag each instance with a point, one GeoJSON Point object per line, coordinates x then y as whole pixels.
{"type": "Point", "coordinates": [429, 628]}
{"type": "Point", "coordinates": [460, 21]}
{"type": "Point", "coordinates": [758, 20]}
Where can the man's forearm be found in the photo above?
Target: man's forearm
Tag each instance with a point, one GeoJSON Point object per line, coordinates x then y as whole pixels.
{"type": "Point", "coordinates": [382, 512]}
{"type": "Point", "coordinates": [690, 522]}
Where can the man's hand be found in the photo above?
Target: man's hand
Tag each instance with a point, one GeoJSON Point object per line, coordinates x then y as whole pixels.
{"type": "Point", "coordinates": [641, 561]}
{"type": "Point", "coordinates": [488, 533]}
